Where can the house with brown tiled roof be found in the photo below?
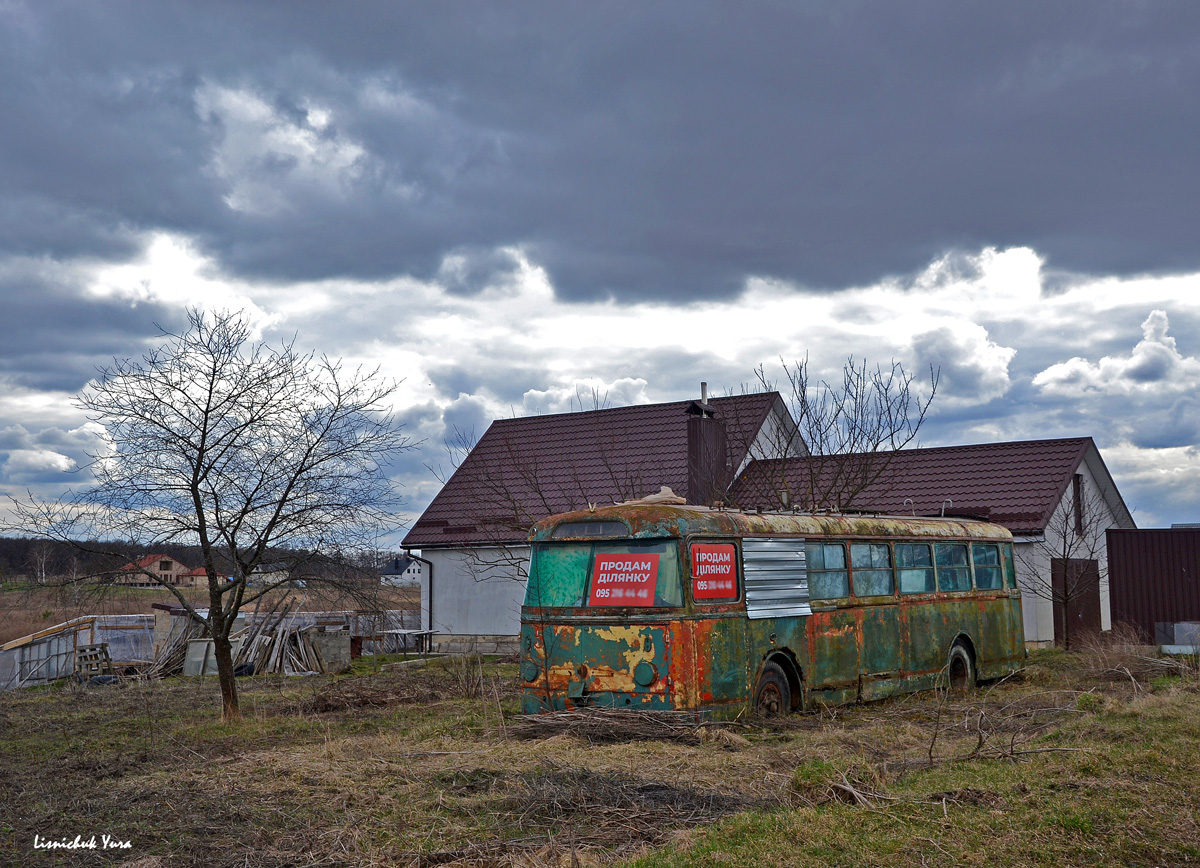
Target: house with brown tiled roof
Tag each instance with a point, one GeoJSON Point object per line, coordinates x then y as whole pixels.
{"type": "Point", "coordinates": [198, 577]}
{"type": "Point", "coordinates": [154, 570]}
{"type": "Point", "coordinates": [473, 534]}
{"type": "Point", "coordinates": [1056, 496]}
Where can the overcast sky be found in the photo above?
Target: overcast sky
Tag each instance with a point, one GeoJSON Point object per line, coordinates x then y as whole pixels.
{"type": "Point", "coordinates": [511, 205]}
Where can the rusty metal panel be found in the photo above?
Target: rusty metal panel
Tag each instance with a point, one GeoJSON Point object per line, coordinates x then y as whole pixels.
{"type": "Point", "coordinates": [834, 651]}
{"type": "Point", "coordinates": [776, 578]}
{"type": "Point", "coordinates": [882, 649]}
{"type": "Point", "coordinates": [577, 665]}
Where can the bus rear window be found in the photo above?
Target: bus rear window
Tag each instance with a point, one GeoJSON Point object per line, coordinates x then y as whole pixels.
{"type": "Point", "coordinates": [988, 576]}
{"type": "Point", "coordinates": [610, 573]}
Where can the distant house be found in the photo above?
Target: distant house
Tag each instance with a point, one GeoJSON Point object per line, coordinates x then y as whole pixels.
{"type": "Point", "coordinates": [1055, 496]}
{"type": "Point", "coordinates": [474, 532]}
{"type": "Point", "coordinates": [404, 571]}
{"type": "Point", "coordinates": [270, 574]}
{"type": "Point", "coordinates": [198, 577]}
{"type": "Point", "coordinates": [153, 570]}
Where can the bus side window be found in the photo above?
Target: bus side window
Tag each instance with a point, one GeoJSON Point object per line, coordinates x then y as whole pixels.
{"type": "Point", "coordinates": [827, 576]}
{"type": "Point", "coordinates": [953, 569]}
{"type": "Point", "coordinates": [871, 565]}
{"type": "Point", "coordinates": [914, 565]}
{"type": "Point", "coordinates": [986, 559]}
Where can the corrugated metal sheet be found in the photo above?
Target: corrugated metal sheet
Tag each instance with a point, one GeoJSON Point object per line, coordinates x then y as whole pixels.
{"type": "Point", "coordinates": [1154, 577]}
{"type": "Point", "coordinates": [776, 578]}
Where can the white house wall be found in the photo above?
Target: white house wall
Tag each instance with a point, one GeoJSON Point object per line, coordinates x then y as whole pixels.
{"type": "Point", "coordinates": [475, 592]}
{"type": "Point", "coordinates": [1033, 561]}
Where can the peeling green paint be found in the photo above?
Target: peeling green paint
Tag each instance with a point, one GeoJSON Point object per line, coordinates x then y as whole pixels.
{"type": "Point", "coordinates": [708, 656]}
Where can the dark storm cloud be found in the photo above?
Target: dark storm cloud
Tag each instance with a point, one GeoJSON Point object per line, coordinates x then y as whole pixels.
{"type": "Point", "coordinates": [666, 150]}
{"type": "Point", "coordinates": [55, 336]}
{"type": "Point", "coordinates": [505, 379]}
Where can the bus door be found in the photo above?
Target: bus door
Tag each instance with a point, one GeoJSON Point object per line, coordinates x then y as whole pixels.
{"type": "Point", "coordinates": [718, 630]}
{"type": "Point", "coordinates": [874, 590]}
{"type": "Point", "coordinates": [833, 627]}
{"type": "Point", "coordinates": [777, 603]}
{"type": "Point", "coordinates": [922, 655]}
{"type": "Point", "coordinates": [935, 621]}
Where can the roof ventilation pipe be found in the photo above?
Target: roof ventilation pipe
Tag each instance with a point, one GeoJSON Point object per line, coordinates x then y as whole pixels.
{"type": "Point", "coordinates": [703, 392]}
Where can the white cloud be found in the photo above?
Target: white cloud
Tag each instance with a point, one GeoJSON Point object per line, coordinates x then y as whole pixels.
{"type": "Point", "coordinates": [267, 158]}
{"type": "Point", "coordinates": [29, 461]}
{"type": "Point", "coordinates": [171, 271]}
{"type": "Point", "coordinates": [973, 369]}
{"type": "Point", "coordinates": [466, 358]}
{"type": "Point", "coordinates": [1155, 365]}
{"type": "Point", "coordinates": [1159, 483]}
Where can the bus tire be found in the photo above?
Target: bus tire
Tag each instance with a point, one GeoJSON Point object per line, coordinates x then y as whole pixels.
{"type": "Point", "coordinates": [772, 695]}
{"type": "Point", "coordinates": [960, 669]}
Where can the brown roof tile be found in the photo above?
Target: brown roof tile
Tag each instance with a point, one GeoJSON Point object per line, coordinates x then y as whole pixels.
{"type": "Point", "coordinates": [524, 469]}
{"type": "Point", "coordinates": [1015, 484]}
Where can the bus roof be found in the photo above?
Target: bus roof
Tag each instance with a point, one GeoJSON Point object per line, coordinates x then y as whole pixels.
{"type": "Point", "coordinates": [649, 520]}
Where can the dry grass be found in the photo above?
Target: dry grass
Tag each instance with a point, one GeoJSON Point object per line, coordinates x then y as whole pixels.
{"type": "Point", "coordinates": [597, 726]}
{"type": "Point", "coordinates": [29, 610]}
{"type": "Point", "coordinates": [1064, 764]}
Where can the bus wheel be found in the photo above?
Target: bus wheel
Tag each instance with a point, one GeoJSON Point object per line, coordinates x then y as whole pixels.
{"type": "Point", "coordinates": [959, 667]}
{"type": "Point", "coordinates": [772, 696]}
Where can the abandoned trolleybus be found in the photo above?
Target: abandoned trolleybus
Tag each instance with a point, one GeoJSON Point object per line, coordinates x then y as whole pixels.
{"type": "Point", "coordinates": [659, 606]}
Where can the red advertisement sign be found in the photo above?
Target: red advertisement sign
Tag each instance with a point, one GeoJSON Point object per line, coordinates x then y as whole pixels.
{"type": "Point", "coordinates": [714, 572]}
{"type": "Point", "coordinates": [624, 580]}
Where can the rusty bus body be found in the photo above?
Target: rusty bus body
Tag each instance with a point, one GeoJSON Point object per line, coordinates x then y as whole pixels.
{"type": "Point", "coordinates": [683, 607]}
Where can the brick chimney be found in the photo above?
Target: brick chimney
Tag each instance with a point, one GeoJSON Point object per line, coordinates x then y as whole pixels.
{"type": "Point", "coordinates": [708, 475]}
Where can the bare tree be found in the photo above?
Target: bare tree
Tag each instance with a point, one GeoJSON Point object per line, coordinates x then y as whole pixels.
{"type": "Point", "coordinates": [41, 561]}
{"type": "Point", "coordinates": [256, 454]}
{"type": "Point", "coordinates": [1068, 563]}
{"type": "Point", "coordinates": [848, 432]}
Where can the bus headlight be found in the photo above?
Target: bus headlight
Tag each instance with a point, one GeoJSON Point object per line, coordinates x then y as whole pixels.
{"type": "Point", "coordinates": [645, 673]}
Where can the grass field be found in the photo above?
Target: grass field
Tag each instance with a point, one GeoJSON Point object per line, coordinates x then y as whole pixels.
{"type": "Point", "coordinates": [1086, 759]}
